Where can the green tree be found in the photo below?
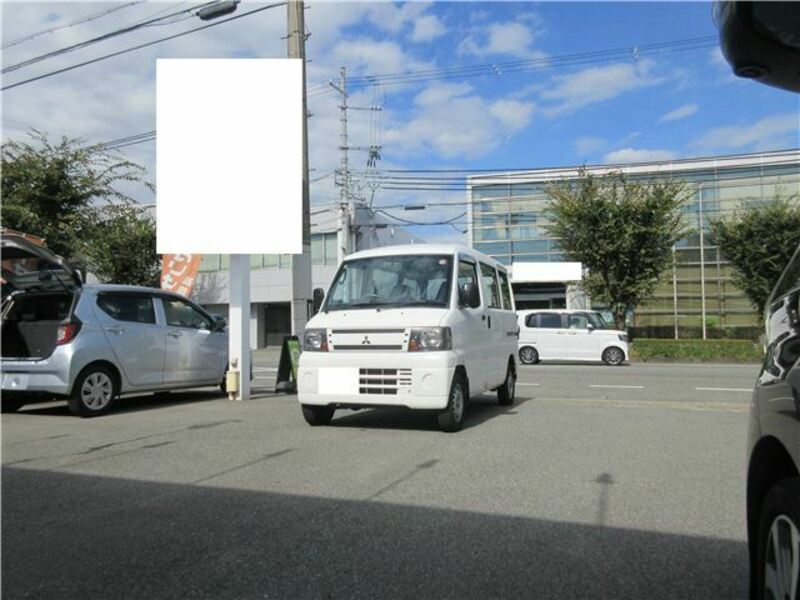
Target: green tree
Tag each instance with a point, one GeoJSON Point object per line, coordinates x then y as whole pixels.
{"type": "Point", "coordinates": [759, 241]}
{"type": "Point", "coordinates": [49, 188]}
{"type": "Point", "coordinates": [123, 246]}
{"type": "Point", "coordinates": [622, 231]}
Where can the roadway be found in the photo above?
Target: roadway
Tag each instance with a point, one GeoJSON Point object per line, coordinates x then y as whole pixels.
{"type": "Point", "coordinates": [619, 482]}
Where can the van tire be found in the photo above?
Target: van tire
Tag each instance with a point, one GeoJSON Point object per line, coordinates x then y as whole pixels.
{"type": "Point", "coordinates": [505, 393]}
{"type": "Point", "coordinates": [528, 355]}
{"type": "Point", "coordinates": [452, 418]}
{"type": "Point", "coordinates": [317, 415]}
{"type": "Point", "coordinates": [613, 356]}
{"type": "Point", "coordinates": [104, 381]}
{"type": "Point", "coordinates": [11, 405]}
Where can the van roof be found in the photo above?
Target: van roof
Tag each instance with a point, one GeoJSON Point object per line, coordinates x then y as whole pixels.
{"type": "Point", "coordinates": [407, 249]}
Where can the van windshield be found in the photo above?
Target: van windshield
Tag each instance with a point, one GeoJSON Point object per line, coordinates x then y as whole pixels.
{"type": "Point", "coordinates": [392, 281]}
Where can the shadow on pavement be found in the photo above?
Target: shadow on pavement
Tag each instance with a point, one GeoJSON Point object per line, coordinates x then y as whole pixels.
{"type": "Point", "coordinates": [480, 409]}
{"type": "Point", "coordinates": [58, 408]}
{"type": "Point", "coordinates": [78, 536]}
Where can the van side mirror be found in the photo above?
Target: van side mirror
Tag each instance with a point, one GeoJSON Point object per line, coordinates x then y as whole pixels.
{"type": "Point", "coordinates": [319, 297]}
{"type": "Point", "coordinates": [468, 295]}
{"type": "Point", "coordinates": [590, 327]}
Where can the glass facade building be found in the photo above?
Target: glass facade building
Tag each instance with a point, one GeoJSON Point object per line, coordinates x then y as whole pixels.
{"type": "Point", "coordinates": [507, 214]}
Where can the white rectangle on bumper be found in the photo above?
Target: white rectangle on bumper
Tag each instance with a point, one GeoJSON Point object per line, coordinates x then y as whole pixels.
{"type": "Point", "coordinates": [338, 380]}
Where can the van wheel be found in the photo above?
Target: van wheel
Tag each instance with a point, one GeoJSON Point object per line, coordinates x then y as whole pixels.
{"type": "Point", "coordinates": [528, 355]}
{"type": "Point", "coordinates": [613, 356]}
{"type": "Point", "coordinates": [11, 405]}
{"type": "Point", "coordinates": [778, 542]}
{"type": "Point", "coordinates": [452, 418]}
{"type": "Point", "coordinates": [317, 415]}
{"type": "Point", "coordinates": [505, 393]}
{"type": "Point", "coordinates": [94, 392]}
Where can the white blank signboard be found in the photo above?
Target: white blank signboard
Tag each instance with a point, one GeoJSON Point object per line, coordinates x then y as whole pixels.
{"type": "Point", "coordinates": [229, 156]}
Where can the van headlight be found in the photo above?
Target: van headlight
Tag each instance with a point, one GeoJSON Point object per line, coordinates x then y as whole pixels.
{"type": "Point", "coordinates": [430, 338]}
{"type": "Point", "coordinates": [315, 340]}
{"type": "Point", "coordinates": [623, 337]}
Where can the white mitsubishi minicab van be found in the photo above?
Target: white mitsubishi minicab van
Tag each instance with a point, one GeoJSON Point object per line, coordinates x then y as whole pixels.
{"type": "Point", "coordinates": [423, 326]}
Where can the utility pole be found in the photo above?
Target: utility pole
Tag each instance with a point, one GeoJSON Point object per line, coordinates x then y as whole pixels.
{"type": "Point", "coordinates": [301, 263]}
{"type": "Point", "coordinates": [345, 210]}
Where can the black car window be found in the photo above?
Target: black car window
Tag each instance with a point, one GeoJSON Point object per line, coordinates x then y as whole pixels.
{"type": "Point", "coordinates": [132, 308]}
{"type": "Point", "coordinates": [531, 321]}
{"type": "Point", "coordinates": [550, 320]}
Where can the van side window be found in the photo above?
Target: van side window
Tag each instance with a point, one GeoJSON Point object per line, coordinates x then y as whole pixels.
{"type": "Point", "coordinates": [507, 304]}
{"type": "Point", "coordinates": [550, 320]}
{"type": "Point", "coordinates": [133, 308]}
{"type": "Point", "coordinates": [490, 285]}
{"type": "Point", "coordinates": [531, 320]}
{"type": "Point", "coordinates": [467, 273]}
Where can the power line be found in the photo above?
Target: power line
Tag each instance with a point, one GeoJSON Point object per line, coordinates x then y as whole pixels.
{"type": "Point", "coordinates": [140, 46]}
{"type": "Point", "coordinates": [100, 38]}
{"type": "Point", "coordinates": [80, 21]}
{"type": "Point", "coordinates": [497, 69]}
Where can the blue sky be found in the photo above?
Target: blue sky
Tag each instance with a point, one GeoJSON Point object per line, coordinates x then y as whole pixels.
{"type": "Point", "coordinates": [622, 107]}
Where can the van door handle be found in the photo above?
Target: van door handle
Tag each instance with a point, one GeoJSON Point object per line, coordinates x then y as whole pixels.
{"type": "Point", "coordinates": [115, 329]}
{"type": "Point", "coordinates": [175, 334]}
{"type": "Point", "coordinates": [490, 322]}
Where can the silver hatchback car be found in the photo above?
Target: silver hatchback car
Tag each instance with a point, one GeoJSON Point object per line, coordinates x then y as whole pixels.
{"type": "Point", "coordinates": [91, 343]}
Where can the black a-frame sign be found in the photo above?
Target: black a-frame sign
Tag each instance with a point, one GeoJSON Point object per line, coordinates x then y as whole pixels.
{"type": "Point", "coordinates": [287, 368]}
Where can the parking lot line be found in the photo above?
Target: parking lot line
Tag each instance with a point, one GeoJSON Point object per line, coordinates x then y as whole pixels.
{"type": "Point", "coordinates": [531, 384]}
{"type": "Point", "coordinates": [716, 389]}
{"type": "Point", "coordinates": [626, 387]}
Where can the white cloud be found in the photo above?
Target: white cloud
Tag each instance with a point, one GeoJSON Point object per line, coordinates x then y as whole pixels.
{"type": "Point", "coordinates": [632, 155]}
{"type": "Point", "coordinates": [686, 110]}
{"type": "Point", "coordinates": [427, 28]}
{"type": "Point", "coordinates": [506, 39]}
{"type": "Point", "coordinates": [451, 120]}
{"type": "Point", "coordinates": [587, 145]}
{"type": "Point", "coordinates": [569, 93]}
{"type": "Point", "coordinates": [513, 114]}
{"type": "Point", "coordinates": [769, 133]}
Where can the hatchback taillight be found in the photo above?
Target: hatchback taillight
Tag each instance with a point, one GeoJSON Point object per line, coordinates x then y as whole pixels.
{"type": "Point", "coordinates": [67, 332]}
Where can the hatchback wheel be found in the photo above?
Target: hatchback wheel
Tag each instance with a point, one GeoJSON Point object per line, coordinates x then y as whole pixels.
{"type": "Point", "coordinates": [94, 392]}
{"type": "Point", "coordinates": [613, 356]}
{"type": "Point", "coordinates": [778, 558]}
{"type": "Point", "coordinates": [528, 355]}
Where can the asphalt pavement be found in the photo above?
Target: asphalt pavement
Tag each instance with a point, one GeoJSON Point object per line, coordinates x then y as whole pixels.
{"type": "Point", "coordinates": [599, 482]}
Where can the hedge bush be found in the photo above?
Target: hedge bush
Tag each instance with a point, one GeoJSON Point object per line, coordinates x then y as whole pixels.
{"type": "Point", "coordinates": [690, 350]}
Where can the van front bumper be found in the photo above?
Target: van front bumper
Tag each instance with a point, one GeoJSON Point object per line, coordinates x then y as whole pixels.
{"type": "Point", "coordinates": [418, 380]}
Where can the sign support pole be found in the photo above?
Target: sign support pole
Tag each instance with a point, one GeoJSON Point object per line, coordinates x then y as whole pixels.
{"type": "Point", "coordinates": [239, 322]}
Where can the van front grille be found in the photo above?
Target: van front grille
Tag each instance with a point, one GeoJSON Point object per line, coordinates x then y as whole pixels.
{"type": "Point", "coordinates": [384, 382]}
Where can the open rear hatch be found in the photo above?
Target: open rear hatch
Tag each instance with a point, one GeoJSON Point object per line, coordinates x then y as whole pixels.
{"type": "Point", "coordinates": [28, 266]}
{"type": "Point", "coordinates": [38, 293]}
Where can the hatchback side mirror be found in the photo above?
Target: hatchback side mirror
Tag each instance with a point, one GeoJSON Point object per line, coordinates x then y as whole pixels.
{"type": "Point", "coordinates": [219, 324]}
{"type": "Point", "coordinates": [468, 295]}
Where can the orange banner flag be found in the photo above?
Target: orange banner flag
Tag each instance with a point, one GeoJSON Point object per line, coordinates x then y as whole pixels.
{"type": "Point", "coordinates": [178, 272]}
